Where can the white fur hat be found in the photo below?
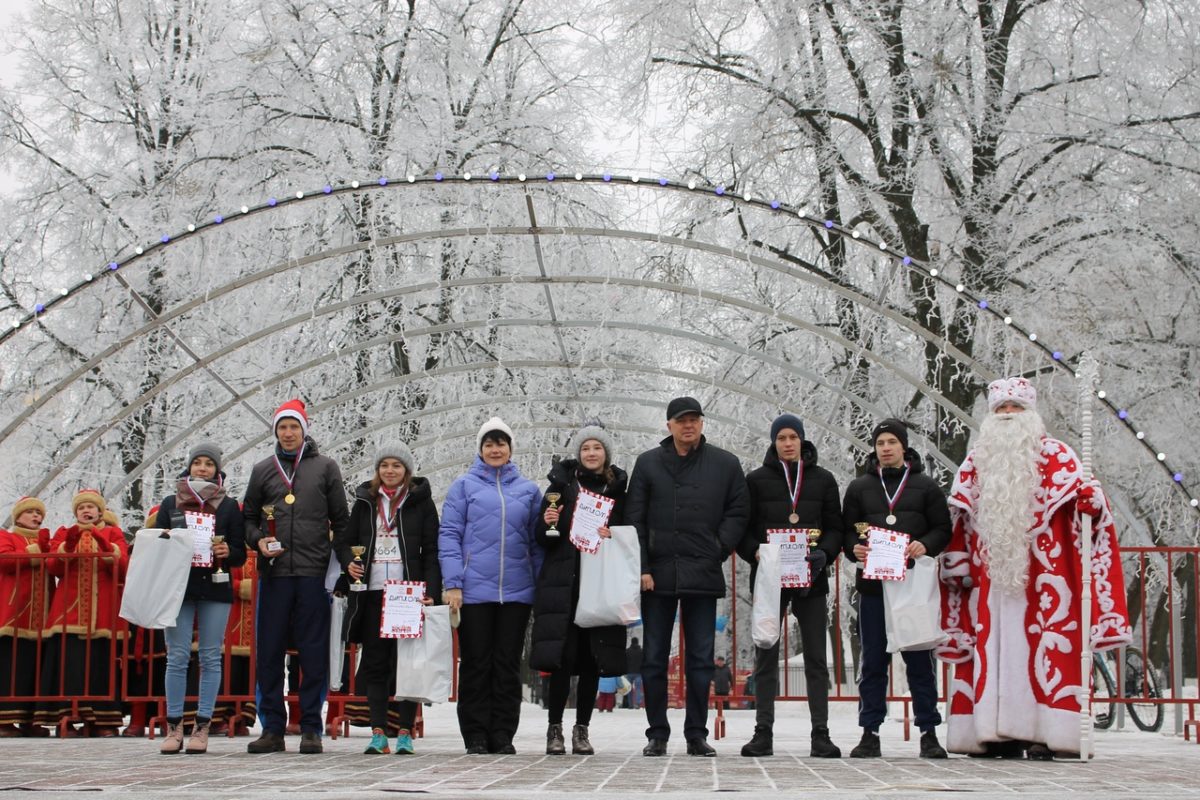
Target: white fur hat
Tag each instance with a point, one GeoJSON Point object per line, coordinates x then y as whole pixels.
{"type": "Point", "coordinates": [1016, 390]}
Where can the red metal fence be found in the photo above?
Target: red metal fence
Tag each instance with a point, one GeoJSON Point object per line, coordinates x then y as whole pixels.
{"type": "Point", "coordinates": [1163, 601]}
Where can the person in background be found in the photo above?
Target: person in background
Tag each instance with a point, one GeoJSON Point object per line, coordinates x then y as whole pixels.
{"type": "Point", "coordinates": [633, 674]}
{"type": "Point", "coordinates": [490, 559]}
{"type": "Point", "coordinates": [78, 637]}
{"type": "Point", "coordinates": [722, 679]}
{"type": "Point", "coordinates": [25, 592]}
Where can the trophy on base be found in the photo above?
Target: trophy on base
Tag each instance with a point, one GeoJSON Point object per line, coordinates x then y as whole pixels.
{"type": "Point", "coordinates": [552, 498]}
{"type": "Point", "coordinates": [274, 547]}
{"type": "Point", "coordinates": [219, 574]}
{"type": "Point", "coordinates": [358, 550]}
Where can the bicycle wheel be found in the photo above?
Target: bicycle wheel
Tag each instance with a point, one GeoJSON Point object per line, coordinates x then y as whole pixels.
{"type": "Point", "coordinates": [1142, 682]}
{"type": "Point", "coordinates": [1104, 689]}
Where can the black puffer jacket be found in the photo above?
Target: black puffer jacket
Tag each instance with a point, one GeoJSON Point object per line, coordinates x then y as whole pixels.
{"type": "Point", "coordinates": [690, 512]}
{"type": "Point", "coordinates": [418, 528]}
{"type": "Point", "coordinates": [921, 511]}
{"type": "Point", "coordinates": [552, 646]}
{"type": "Point", "coordinates": [818, 506]}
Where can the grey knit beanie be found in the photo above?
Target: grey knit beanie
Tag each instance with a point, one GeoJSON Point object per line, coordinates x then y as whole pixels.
{"type": "Point", "coordinates": [398, 451]}
{"type": "Point", "coordinates": [205, 448]}
{"type": "Point", "coordinates": [592, 432]}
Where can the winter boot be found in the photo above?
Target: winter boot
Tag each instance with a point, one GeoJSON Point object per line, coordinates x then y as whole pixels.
{"type": "Point", "coordinates": [868, 746]}
{"type": "Point", "coordinates": [580, 744]}
{"type": "Point", "coordinates": [930, 747]}
{"type": "Point", "coordinates": [822, 745]}
{"type": "Point", "coordinates": [174, 741]}
{"type": "Point", "coordinates": [761, 744]}
{"type": "Point", "coordinates": [198, 741]}
{"type": "Point", "coordinates": [555, 746]}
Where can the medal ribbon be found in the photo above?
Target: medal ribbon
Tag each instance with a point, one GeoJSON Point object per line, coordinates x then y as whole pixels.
{"type": "Point", "coordinates": [893, 498]}
{"type": "Point", "coordinates": [390, 522]}
{"type": "Point", "coordinates": [295, 466]}
{"type": "Point", "coordinates": [793, 492]}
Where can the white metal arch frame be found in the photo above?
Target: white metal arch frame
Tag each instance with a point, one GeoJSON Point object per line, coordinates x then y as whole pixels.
{"type": "Point", "coordinates": [1055, 359]}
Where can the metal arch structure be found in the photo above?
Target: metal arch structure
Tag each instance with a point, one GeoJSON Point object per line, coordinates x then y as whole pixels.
{"type": "Point", "coordinates": [735, 254]}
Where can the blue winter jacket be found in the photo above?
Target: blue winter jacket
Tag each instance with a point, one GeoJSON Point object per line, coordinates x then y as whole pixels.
{"type": "Point", "coordinates": [485, 542]}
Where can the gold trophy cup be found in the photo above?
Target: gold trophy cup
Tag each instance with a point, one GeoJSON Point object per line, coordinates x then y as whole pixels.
{"type": "Point", "coordinates": [358, 550]}
{"type": "Point", "coordinates": [273, 547]}
{"type": "Point", "coordinates": [552, 498]}
{"type": "Point", "coordinates": [219, 574]}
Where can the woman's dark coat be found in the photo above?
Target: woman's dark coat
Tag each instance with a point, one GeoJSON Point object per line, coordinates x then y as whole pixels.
{"type": "Point", "coordinates": [418, 528]}
{"type": "Point", "coordinates": [553, 644]}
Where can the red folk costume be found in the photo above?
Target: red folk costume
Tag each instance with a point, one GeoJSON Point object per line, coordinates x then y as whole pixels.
{"type": "Point", "coordinates": [25, 591]}
{"type": "Point", "coordinates": [82, 623]}
{"type": "Point", "coordinates": [1016, 652]}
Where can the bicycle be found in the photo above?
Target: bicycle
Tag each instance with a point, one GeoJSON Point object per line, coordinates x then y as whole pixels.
{"type": "Point", "coordinates": [1139, 683]}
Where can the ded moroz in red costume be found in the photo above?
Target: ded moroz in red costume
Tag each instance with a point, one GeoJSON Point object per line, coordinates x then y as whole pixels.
{"type": "Point", "coordinates": [1015, 647]}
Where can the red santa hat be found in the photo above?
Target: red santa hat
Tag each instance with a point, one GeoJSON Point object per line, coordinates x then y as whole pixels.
{"type": "Point", "coordinates": [1011, 390]}
{"type": "Point", "coordinates": [293, 409]}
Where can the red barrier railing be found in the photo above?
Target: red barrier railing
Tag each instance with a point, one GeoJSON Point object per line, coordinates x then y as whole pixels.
{"type": "Point", "coordinates": [1158, 674]}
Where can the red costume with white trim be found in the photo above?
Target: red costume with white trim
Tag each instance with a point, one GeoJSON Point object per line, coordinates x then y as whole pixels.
{"type": "Point", "coordinates": [1016, 652]}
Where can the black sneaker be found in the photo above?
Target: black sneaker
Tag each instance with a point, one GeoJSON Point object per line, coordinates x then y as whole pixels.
{"type": "Point", "coordinates": [1039, 752]}
{"type": "Point", "coordinates": [867, 747]}
{"type": "Point", "coordinates": [477, 747]}
{"type": "Point", "coordinates": [310, 742]}
{"type": "Point", "coordinates": [930, 747]}
{"type": "Point", "coordinates": [761, 744]}
{"type": "Point", "coordinates": [269, 742]}
{"type": "Point", "coordinates": [502, 747]}
{"type": "Point", "coordinates": [699, 747]}
{"type": "Point", "coordinates": [822, 745]}
{"type": "Point", "coordinates": [655, 747]}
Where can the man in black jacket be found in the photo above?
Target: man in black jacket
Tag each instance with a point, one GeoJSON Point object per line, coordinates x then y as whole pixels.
{"type": "Point", "coordinates": [789, 491]}
{"type": "Point", "coordinates": [897, 495]}
{"type": "Point", "coordinates": [309, 502]}
{"type": "Point", "coordinates": [689, 503]}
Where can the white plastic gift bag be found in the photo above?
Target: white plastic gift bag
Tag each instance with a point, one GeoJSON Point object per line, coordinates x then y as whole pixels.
{"type": "Point", "coordinates": [425, 664]}
{"type": "Point", "coordinates": [912, 609]}
{"type": "Point", "coordinates": [764, 614]}
{"type": "Point", "coordinates": [337, 641]}
{"type": "Point", "coordinates": [157, 577]}
{"type": "Point", "coordinates": [610, 581]}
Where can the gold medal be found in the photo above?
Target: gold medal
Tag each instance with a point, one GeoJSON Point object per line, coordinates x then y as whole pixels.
{"type": "Point", "coordinates": [793, 518]}
{"type": "Point", "coordinates": [289, 498]}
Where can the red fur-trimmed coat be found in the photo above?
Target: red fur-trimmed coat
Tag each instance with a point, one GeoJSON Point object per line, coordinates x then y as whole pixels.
{"type": "Point", "coordinates": [1016, 654]}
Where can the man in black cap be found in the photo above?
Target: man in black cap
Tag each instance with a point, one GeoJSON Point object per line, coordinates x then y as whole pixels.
{"type": "Point", "coordinates": [894, 493]}
{"type": "Point", "coordinates": [689, 503]}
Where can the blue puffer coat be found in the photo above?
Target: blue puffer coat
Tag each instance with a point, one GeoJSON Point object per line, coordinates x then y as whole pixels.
{"type": "Point", "coordinates": [486, 542]}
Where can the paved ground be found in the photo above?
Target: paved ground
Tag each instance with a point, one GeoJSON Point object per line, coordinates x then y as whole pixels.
{"type": "Point", "coordinates": [1128, 764]}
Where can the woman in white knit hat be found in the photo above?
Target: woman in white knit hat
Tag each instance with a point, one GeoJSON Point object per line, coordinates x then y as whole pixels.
{"type": "Point", "coordinates": [489, 560]}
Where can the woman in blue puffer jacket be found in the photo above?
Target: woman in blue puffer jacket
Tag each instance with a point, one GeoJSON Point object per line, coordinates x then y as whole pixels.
{"type": "Point", "coordinates": [489, 561]}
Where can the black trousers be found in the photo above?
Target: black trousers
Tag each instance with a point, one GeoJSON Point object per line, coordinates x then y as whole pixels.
{"type": "Point", "coordinates": [298, 606]}
{"type": "Point", "coordinates": [377, 668]}
{"type": "Point", "coordinates": [18, 678]}
{"type": "Point", "coordinates": [491, 638]}
{"type": "Point", "coordinates": [585, 689]}
{"type": "Point", "coordinates": [810, 613]}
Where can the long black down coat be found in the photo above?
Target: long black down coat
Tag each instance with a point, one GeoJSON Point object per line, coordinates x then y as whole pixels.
{"type": "Point", "coordinates": [553, 644]}
{"type": "Point", "coordinates": [819, 506]}
{"type": "Point", "coordinates": [690, 512]}
{"type": "Point", "coordinates": [418, 526]}
{"type": "Point", "coordinates": [921, 510]}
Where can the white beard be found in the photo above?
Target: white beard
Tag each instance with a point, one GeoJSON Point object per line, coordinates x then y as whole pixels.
{"type": "Point", "coordinates": [1007, 459]}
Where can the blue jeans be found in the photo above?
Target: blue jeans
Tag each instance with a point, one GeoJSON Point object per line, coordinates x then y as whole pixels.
{"type": "Point", "coordinates": [210, 617]}
{"type": "Point", "coordinates": [698, 616]}
{"type": "Point", "coordinates": [873, 680]}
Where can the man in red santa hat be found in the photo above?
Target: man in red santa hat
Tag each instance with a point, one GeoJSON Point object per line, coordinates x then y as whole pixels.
{"type": "Point", "coordinates": [1012, 575]}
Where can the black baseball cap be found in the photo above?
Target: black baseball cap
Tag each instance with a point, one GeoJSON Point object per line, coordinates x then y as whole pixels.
{"type": "Point", "coordinates": [683, 405]}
